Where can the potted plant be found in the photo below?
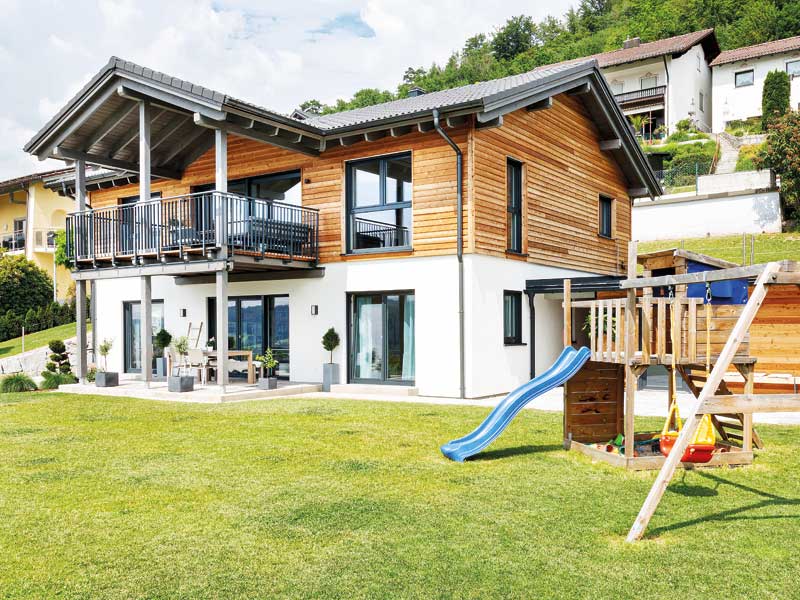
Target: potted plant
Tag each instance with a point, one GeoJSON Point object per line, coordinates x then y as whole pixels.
{"type": "Point", "coordinates": [180, 383]}
{"type": "Point", "coordinates": [103, 377]}
{"type": "Point", "coordinates": [268, 380]}
{"type": "Point", "coordinates": [161, 341]}
{"type": "Point", "coordinates": [330, 370]}
{"type": "Point", "coordinates": [210, 344]}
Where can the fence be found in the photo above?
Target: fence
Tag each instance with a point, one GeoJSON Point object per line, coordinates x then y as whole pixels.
{"type": "Point", "coordinates": [682, 178]}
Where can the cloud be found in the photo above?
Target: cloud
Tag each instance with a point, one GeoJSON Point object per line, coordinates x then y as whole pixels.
{"type": "Point", "coordinates": [270, 52]}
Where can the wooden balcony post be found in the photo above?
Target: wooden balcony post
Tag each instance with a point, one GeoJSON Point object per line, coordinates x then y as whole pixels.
{"type": "Point", "coordinates": [144, 151]}
{"type": "Point", "coordinates": [221, 185]}
{"type": "Point", "coordinates": [222, 328]}
{"type": "Point", "coordinates": [146, 329]}
{"type": "Point", "coordinates": [80, 285]}
{"type": "Point", "coordinates": [631, 375]}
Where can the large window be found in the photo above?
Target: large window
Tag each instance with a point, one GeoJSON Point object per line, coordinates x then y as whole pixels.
{"type": "Point", "coordinates": [743, 78]}
{"type": "Point", "coordinates": [514, 205]}
{"type": "Point", "coordinates": [793, 68]}
{"type": "Point", "coordinates": [512, 318]}
{"type": "Point", "coordinates": [606, 216]}
{"type": "Point", "coordinates": [382, 340]}
{"type": "Point", "coordinates": [379, 203]}
{"type": "Point", "coordinates": [648, 81]}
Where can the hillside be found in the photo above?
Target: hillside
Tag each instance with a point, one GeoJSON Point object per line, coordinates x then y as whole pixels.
{"type": "Point", "coordinates": [522, 44]}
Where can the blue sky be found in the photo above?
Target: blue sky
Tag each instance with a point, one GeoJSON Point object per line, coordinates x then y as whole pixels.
{"type": "Point", "coordinates": [274, 53]}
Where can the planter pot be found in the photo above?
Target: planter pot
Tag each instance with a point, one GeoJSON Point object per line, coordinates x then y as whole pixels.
{"type": "Point", "coordinates": [161, 367]}
{"type": "Point", "coordinates": [330, 376]}
{"type": "Point", "coordinates": [106, 379]}
{"type": "Point", "coordinates": [268, 383]}
{"type": "Point", "coordinates": [180, 383]}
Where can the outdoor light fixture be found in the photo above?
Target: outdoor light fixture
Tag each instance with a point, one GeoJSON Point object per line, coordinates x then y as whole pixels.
{"type": "Point", "coordinates": [183, 312]}
{"type": "Point", "coordinates": [314, 309]}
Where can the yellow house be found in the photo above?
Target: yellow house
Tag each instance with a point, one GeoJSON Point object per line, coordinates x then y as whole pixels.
{"type": "Point", "coordinates": [30, 216]}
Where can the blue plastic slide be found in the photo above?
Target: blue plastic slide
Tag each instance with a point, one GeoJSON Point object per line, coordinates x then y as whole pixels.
{"type": "Point", "coordinates": [569, 363]}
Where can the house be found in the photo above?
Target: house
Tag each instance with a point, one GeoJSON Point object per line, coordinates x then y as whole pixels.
{"type": "Point", "coordinates": [738, 78]}
{"type": "Point", "coordinates": [30, 217]}
{"type": "Point", "coordinates": [411, 227]}
{"type": "Point", "coordinates": [667, 80]}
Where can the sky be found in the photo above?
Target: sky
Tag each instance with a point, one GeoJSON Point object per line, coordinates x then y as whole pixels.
{"type": "Point", "coordinates": [275, 54]}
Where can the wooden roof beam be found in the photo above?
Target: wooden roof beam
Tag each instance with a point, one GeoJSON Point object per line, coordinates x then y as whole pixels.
{"type": "Point", "coordinates": [542, 104]}
{"type": "Point", "coordinates": [132, 135]}
{"type": "Point", "coordinates": [255, 134]}
{"type": "Point", "coordinates": [107, 126]}
{"type": "Point", "coordinates": [112, 163]}
{"type": "Point", "coordinates": [611, 144]}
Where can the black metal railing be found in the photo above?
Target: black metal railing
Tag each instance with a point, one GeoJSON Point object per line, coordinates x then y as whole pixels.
{"type": "Point", "coordinates": [13, 241]}
{"type": "Point", "coordinates": [193, 225]}
{"type": "Point", "coordinates": [374, 234]}
{"type": "Point", "coordinates": [636, 95]}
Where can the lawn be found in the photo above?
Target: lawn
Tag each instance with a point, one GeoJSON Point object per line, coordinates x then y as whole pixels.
{"type": "Point", "coordinates": [115, 498]}
{"type": "Point", "coordinates": [768, 247]}
{"type": "Point", "coordinates": [37, 339]}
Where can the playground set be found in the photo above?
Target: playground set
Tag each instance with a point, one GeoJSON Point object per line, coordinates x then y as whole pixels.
{"type": "Point", "coordinates": [687, 312]}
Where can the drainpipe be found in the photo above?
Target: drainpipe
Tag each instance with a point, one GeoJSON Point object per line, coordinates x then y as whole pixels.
{"type": "Point", "coordinates": [531, 298]}
{"type": "Point", "coordinates": [666, 96]}
{"type": "Point", "coordinates": [459, 247]}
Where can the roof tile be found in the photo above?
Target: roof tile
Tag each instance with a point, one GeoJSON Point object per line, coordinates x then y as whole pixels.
{"type": "Point", "coordinates": [758, 50]}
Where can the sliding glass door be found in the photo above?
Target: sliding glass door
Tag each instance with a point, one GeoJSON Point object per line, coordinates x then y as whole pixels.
{"type": "Point", "coordinates": [382, 338]}
{"type": "Point", "coordinates": [132, 332]}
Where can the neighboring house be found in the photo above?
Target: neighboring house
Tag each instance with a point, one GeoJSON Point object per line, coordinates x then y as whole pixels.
{"type": "Point", "coordinates": [667, 80]}
{"type": "Point", "coordinates": [30, 217]}
{"type": "Point", "coordinates": [411, 227]}
{"type": "Point", "coordinates": [738, 77]}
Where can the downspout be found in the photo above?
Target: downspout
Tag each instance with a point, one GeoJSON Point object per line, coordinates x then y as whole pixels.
{"type": "Point", "coordinates": [459, 247]}
{"type": "Point", "coordinates": [666, 95]}
{"type": "Point", "coordinates": [531, 304]}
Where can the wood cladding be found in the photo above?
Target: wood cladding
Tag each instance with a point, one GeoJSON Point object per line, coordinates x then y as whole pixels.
{"type": "Point", "coordinates": [775, 332]}
{"type": "Point", "coordinates": [564, 173]}
{"type": "Point", "coordinates": [593, 403]}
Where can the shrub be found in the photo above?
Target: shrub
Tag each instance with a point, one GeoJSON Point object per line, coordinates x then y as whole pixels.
{"type": "Point", "coordinates": [330, 341]}
{"type": "Point", "coordinates": [684, 125]}
{"type": "Point", "coordinates": [740, 127]}
{"type": "Point", "coordinates": [18, 382]}
{"type": "Point", "coordinates": [24, 285]}
{"type": "Point", "coordinates": [59, 359]}
{"type": "Point", "coordinates": [91, 374]}
{"type": "Point", "coordinates": [104, 349]}
{"type": "Point", "coordinates": [160, 341]}
{"type": "Point", "coordinates": [782, 154]}
{"type": "Point", "coordinates": [51, 381]}
{"type": "Point", "coordinates": [775, 97]}
{"type": "Point", "coordinates": [747, 157]}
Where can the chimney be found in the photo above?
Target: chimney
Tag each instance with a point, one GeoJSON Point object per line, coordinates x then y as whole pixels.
{"type": "Point", "coordinates": [415, 91]}
{"type": "Point", "coordinates": [631, 43]}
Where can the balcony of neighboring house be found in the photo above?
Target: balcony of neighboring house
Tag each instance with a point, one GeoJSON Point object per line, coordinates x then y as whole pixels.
{"type": "Point", "coordinates": [13, 242]}
{"type": "Point", "coordinates": [191, 234]}
{"type": "Point", "coordinates": [647, 96]}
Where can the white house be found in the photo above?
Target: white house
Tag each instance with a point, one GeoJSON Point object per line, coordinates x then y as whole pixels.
{"type": "Point", "coordinates": [738, 78]}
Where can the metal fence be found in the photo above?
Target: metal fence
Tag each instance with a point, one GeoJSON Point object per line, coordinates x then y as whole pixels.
{"type": "Point", "coordinates": [682, 178]}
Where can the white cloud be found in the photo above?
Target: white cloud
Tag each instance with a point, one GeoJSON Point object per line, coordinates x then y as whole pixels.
{"type": "Point", "coordinates": [273, 53]}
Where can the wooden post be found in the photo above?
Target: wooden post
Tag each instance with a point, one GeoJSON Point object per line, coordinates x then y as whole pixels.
{"type": "Point", "coordinates": [146, 329]}
{"type": "Point", "coordinates": [80, 285]}
{"type": "Point", "coordinates": [221, 185]}
{"type": "Point", "coordinates": [709, 389]}
{"type": "Point", "coordinates": [749, 373]}
{"type": "Point", "coordinates": [567, 313]}
{"type": "Point", "coordinates": [222, 328]}
{"type": "Point", "coordinates": [631, 376]}
{"type": "Point", "coordinates": [144, 151]}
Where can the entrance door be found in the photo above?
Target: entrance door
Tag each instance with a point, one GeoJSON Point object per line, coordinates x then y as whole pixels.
{"type": "Point", "coordinates": [132, 333]}
{"type": "Point", "coordinates": [382, 338]}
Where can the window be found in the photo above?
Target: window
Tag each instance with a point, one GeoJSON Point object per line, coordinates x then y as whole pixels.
{"type": "Point", "coordinates": [512, 317]}
{"type": "Point", "coordinates": [648, 81]}
{"type": "Point", "coordinates": [606, 216]}
{"type": "Point", "coordinates": [132, 332]}
{"type": "Point", "coordinates": [617, 87]}
{"type": "Point", "coordinates": [379, 203]}
{"type": "Point", "coordinates": [743, 78]}
{"type": "Point", "coordinates": [793, 68]}
{"type": "Point", "coordinates": [514, 205]}
{"type": "Point", "coordinates": [702, 102]}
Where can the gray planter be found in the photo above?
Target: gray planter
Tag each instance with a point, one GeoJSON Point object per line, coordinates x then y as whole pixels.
{"type": "Point", "coordinates": [161, 367]}
{"type": "Point", "coordinates": [330, 376]}
{"type": "Point", "coordinates": [106, 379]}
{"type": "Point", "coordinates": [268, 383]}
{"type": "Point", "coordinates": [180, 383]}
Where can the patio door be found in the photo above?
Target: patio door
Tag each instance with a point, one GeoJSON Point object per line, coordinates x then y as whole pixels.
{"type": "Point", "coordinates": [382, 343]}
{"type": "Point", "coordinates": [132, 341]}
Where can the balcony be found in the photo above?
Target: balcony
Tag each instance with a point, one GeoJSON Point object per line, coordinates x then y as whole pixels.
{"type": "Point", "coordinates": [647, 95]}
{"type": "Point", "coordinates": [44, 239]}
{"type": "Point", "coordinates": [13, 242]}
{"type": "Point", "coordinates": [195, 228]}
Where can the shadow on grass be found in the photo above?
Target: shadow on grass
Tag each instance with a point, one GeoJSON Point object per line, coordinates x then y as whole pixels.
{"type": "Point", "coordinates": [515, 451]}
{"type": "Point", "coordinates": [732, 514]}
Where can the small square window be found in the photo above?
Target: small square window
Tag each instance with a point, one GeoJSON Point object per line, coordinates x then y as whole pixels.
{"type": "Point", "coordinates": [512, 317]}
{"type": "Point", "coordinates": [744, 78]}
{"type": "Point", "coordinates": [793, 68]}
{"type": "Point", "coordinates": [606, 216]}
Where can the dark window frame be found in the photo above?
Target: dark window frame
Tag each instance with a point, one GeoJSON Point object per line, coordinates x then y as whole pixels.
{"type": "Point", "coordinates": [514, 171]}
{"type": "Point", "coordinates": [736, 78]}
{"type": "Point", "coordinates": [350, 201]}
{"type": "Point", "coordinates": [603, 202]}
{"type": "Point", "coordinates": [515, 339]}
{"type": "Point", "coordinates": [127, 308]}
{"type": "Point", "coordinates": [791, 62]}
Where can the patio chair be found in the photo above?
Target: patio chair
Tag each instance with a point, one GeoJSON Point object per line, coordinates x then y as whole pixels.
{"type": "Point", "coordinates": [196, 360]}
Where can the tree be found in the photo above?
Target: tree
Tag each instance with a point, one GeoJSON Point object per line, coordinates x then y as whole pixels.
{"type": "Point", "coordinates": [23, 285]}
{"type": "Point", "coordinates": [775, 97]}
{"type": "Point", "coordinates": [59, 358]}
{"type": "Point", "coordinates": [782, 155]}
{"type": "Point", "coordinates": [312, 107]}
{"type": "Point", "coordinates": [513, 38]}
{"type": "Point", "coordinates": [330, 341]}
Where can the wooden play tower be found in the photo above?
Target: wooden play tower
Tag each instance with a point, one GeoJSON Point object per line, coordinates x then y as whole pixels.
{"type": "Point", "coordinates": [662, 321]}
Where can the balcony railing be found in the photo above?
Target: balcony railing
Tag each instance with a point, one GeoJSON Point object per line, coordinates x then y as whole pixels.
{"type": "Point", "coordinates": [13, 242]}
{"type": "Point", "coordinates": [194, 225]}
{"type": "Point", "coordinates": [44, 239]}
{"type": "Point", "coordinates": [638, 95]}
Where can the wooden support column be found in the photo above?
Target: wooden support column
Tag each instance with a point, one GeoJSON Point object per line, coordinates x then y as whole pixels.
{"type": "Point", "coordinates": [222, 328]}
{"type": "Point", "coordinates": [749, 374]}
{"type": "Point", "coordinates": [631, 375]}
{"type": "Point", "coordinates": [221, 185]}
{"type": "Point", "coordinates": [144, 151]}
{"type": "Point", "coordinates": [567, 313]}
{"type": "Point", "coordinates": [146, 329]}
{"type": "Point", "coordinates": [80, 285]}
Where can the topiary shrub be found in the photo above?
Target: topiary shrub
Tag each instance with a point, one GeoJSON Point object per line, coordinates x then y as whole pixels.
{"type": "Point", "coordinates": [775, 97]}
{"type": "Point", "coordinates": [59, 359]}
{"type": "Point", "coordinates": [18, 382]}
{"type": "Point", "coordinates": [330, 341]}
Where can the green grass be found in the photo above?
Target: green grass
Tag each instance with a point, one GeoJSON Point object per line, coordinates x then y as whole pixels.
{"type": "Point", "coordinates": [37, 339]}
{"type": "Point", "coordinates": [114, 498]}
{"type": "Point", "coordinates": [768, 247]}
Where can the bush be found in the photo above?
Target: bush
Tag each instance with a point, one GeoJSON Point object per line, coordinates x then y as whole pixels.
{"type": "Point", "coordinates": [782, 154]}
{"type": "Point", "coordinates": [775, 97]}
{"type": "Point", "coordinates": [18, 382]}
{"type": "Point", "coordinates": [91, 375]}
{"type": "Point", "coordinates": [684, 125]}
{"type": "Point", "coordinates": [740, 127]}
{"type": "Point", "coordinates": [747, 157]}
{"type": "Point", "coordinates": [59, 359]}
{"type": "Point", "coordinates": [51, 381]}
{"type": "Point", "coordinates": [24, 285]}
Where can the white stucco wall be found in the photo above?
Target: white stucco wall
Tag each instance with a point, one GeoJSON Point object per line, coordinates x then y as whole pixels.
{"type": "Point", "coordinates": [732, 103]}
{"type": "Point", "coordinates": [734, 182]}
{"type": "Point", "coordinates": [698, 216]}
